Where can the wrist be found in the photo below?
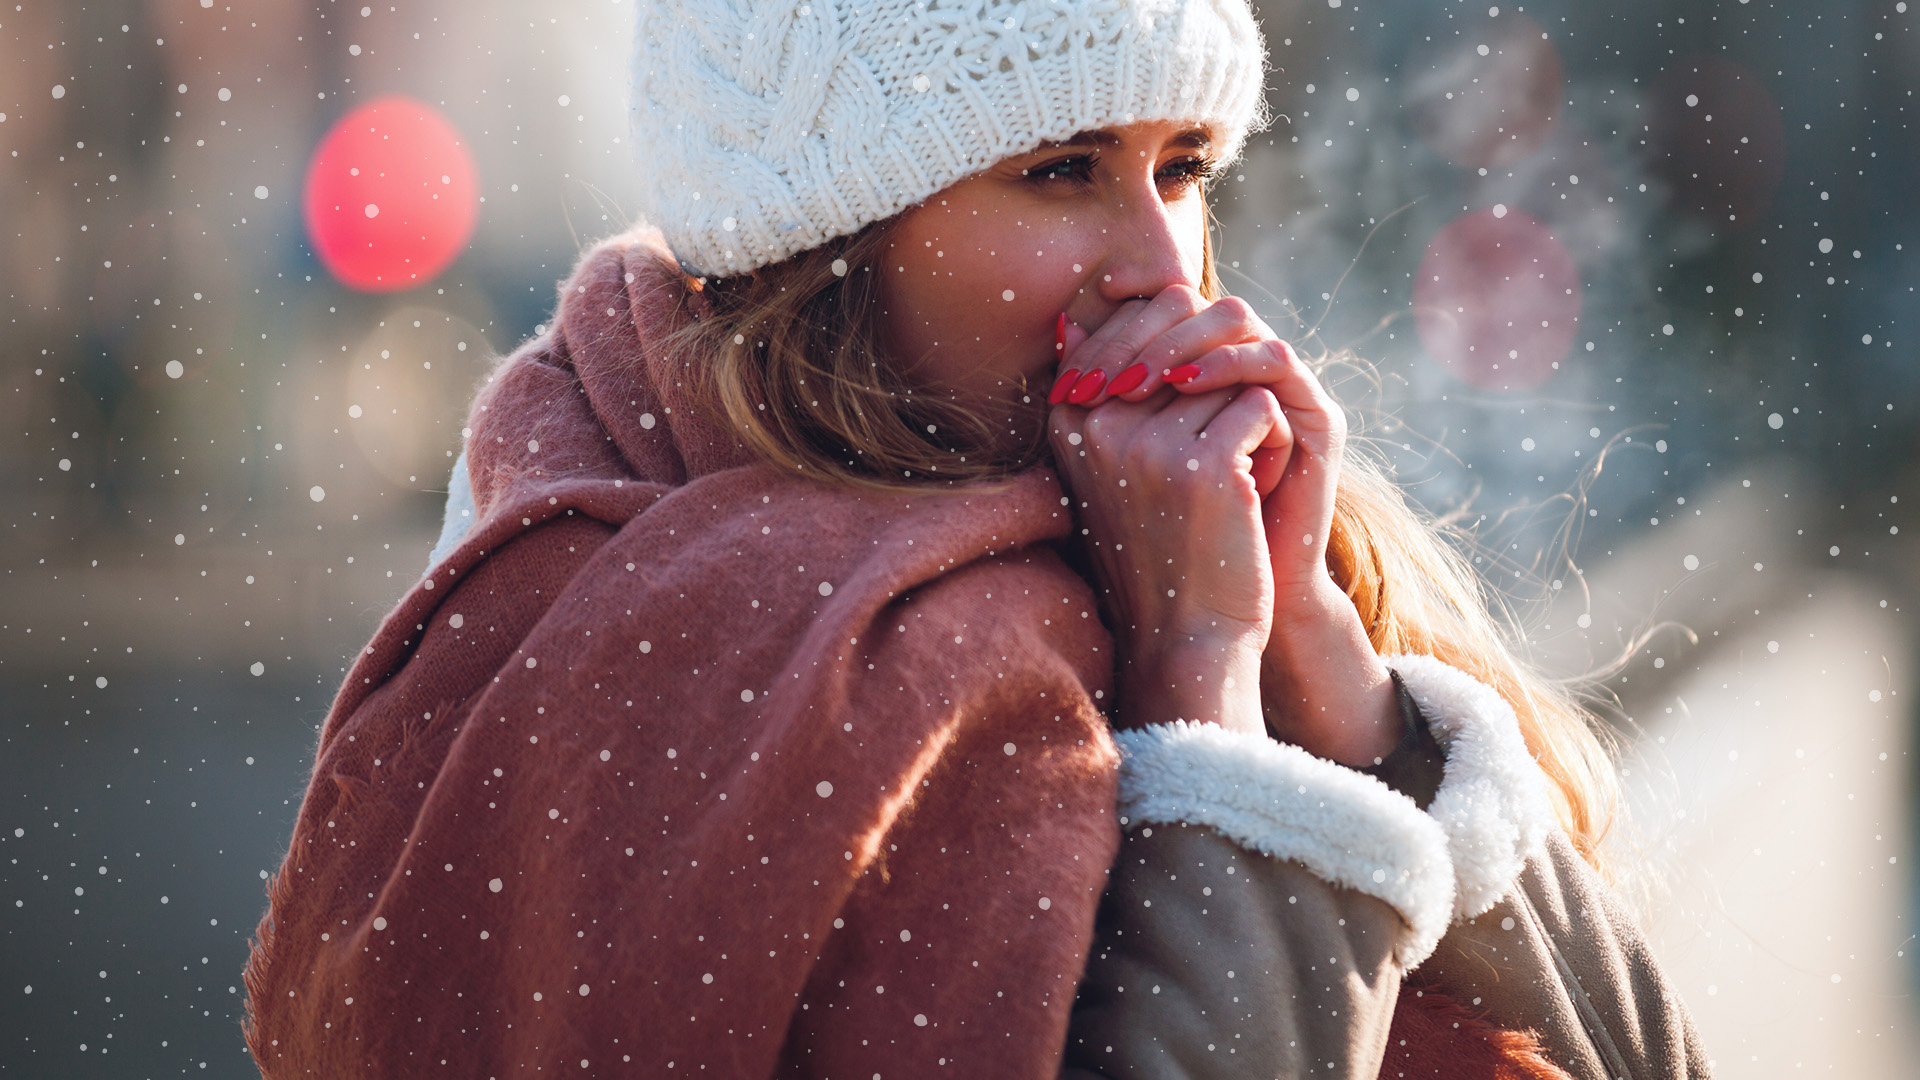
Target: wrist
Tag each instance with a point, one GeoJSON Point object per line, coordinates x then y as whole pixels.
{"type": "Point", "coordinates": [1324, 688]}
{"type": "Point", "coordinates": [1202, 680]}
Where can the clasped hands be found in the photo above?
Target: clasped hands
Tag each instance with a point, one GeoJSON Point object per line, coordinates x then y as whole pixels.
{"type": "Point", "coordinates": [1202, 456]}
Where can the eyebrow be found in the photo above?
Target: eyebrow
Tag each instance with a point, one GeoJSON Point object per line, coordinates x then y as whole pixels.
{"type": "Point", "coordinates": [1192, 138]}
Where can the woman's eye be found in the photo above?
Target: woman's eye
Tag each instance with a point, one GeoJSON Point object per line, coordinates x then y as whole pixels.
{"type": "Point", "coordinates": [1079, 167]}
{"type": "Point", "coordinates": [1188, 171]}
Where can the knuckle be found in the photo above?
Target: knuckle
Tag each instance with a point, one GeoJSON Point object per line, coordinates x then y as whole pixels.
{"type": "Point", "coordinates": [1219, 358]}
{"type": "Point", "coordinates": [1235, 308]}
{"type": "Point", "coordinates": [1180, 295]}
{"type": "Point", "coordinates": [1188, 299]}
{"type": "Point", "coordinates": [1119, 351]}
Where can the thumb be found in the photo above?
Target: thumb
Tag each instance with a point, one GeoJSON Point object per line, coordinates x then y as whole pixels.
{"type": "Point", "coordinates": [1269, 465]}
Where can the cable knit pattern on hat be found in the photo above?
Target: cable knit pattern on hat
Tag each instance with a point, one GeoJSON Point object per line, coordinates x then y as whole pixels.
{"type": "Point", "coordinates": [768, 128]}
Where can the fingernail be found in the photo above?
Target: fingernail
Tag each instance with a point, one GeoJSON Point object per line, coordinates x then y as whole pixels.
{"type": "Point", "coordinates": [1060, 334]}
{"type": "Point", "coordinates": [1061, 386]}
{"type": "Point", "coordinates": [1185, 373]}
{"type": "Point", "coordinates": [1089, 385]}
{"type": "Point", "coordinates": [1128, 379]}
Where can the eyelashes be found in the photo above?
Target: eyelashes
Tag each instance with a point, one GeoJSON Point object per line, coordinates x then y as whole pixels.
{"type": "Point", "coordinates": [1196, 170]}
{"type": "Point", "coordinates": [1079, 169]}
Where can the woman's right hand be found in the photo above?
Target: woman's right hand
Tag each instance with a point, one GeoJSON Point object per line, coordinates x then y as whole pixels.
{"type": "Point", "coordinates": [1166, 494]}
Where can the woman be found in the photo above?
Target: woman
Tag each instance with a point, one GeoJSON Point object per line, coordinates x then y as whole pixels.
{"type": "Point", "coordinates": [762, 723]}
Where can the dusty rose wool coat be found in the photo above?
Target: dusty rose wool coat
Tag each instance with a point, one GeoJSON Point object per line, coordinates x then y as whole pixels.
{"type": "Point", "coordinates": [682, 766]}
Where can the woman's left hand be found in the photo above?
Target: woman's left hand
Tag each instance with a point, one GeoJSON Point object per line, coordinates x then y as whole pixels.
{"type": "Point", "coordinates": [1325, 686]}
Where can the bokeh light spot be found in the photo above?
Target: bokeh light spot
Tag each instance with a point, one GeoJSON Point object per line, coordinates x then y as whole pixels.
{"type": "Point", "coordinates": [1497, 300]}
{"type": "Point", "coordinates": [391, 195]}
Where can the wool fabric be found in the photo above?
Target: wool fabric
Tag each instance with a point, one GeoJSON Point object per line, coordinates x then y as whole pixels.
{"type": "Point", "coordinates": [768, 129]}
{"type": "Point", "coordinates": [681, 764]}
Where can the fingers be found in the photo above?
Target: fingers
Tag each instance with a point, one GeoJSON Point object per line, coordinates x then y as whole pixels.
{"type": "Point", "coordinates": [1251, 422]}
{"type": "Point", "coordinates": [1066, 431]}
{"type": "Point", "coordinates": [1068, 338]}
{"type": "Point", "coordinates": [1228, 321]}
{"type": "Point", "coordinates": [1241, 428]}
{"type": "Point", "coordinates": [1108, 363]}
{"type": "Point", "coordinates": [1146, 345]}
{"type": "Point", "coordinates": [1172, 435]}
{"type": "Point", "coordinates": [1175, 304]}
{"type": "Point", "coordinates": [1076, 357]}
{"type": "Point", "coordinates": [1274, 364]}
{"type": "Point", "coordinates": [1269, 466]}
{"type": "Point", "coordinates": [1265, 361]}
{"type": "Point", "coordinates": [1178, 417]}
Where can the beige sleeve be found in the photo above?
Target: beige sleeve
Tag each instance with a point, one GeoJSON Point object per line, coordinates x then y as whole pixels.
{"type": "Point", "coordinates": [1536, 938]}
{"type": "Point", "coordinates": [1259, 915]}
{"type": "Point", "coordinates": [1559, 955]}
{"type": "Point", "coordinates": [1213, 961]}
{"type": "Point", "coordinates": [1266, 905]}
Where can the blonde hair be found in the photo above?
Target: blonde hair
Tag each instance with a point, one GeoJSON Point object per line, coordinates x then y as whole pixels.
{"type": "Point", "coordinates": [1416, 593]}
{"type": "Point", "coordinates": [789, 356]}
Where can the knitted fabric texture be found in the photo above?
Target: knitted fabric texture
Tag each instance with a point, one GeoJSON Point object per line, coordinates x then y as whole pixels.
{"type": "Point", "coordinates": [769, 129]}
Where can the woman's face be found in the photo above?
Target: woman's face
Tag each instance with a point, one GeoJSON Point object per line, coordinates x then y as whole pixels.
{"type": "Point", "coordinates": [976, 274]}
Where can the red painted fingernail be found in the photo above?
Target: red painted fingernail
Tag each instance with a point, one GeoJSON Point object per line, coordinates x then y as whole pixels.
{"type": "Point", "coordinates": [1061, 386]}
{"type": "Point", "coordinates": [1060, 334]}
{"type": "Point", "coordinates": [1128, 379]}
{"type": "Point", "coordinates": [1089, 385]}
{"type": "Point", "coordinates": [1185, 373]}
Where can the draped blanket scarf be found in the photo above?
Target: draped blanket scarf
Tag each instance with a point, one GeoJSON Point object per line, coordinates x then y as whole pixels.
{"type": "Point", "coordinates": [680, 763]}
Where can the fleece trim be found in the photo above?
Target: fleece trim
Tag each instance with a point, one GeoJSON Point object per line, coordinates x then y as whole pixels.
{"type": "Point", "coordinates": [1493, 801]}
{"type": "Point", "coordinates": [1346, 827]}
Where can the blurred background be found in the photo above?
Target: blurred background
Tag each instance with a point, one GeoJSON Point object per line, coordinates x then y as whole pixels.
{"type": "Point", "coordinates": [1628, 277]}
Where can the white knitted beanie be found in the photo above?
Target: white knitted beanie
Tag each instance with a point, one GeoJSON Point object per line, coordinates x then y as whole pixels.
{"type": "Point", "coordinates": [768, 127]}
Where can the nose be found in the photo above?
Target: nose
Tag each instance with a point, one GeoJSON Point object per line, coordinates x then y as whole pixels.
{"type": "Point", "coordinates": [1154, 244]}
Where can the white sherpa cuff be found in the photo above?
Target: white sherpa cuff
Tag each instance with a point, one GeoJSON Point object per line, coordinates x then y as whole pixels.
{"type": "Point", "coordinates": [1346, 827]}
{"type": "Point", "coordinates": [1493, 801]}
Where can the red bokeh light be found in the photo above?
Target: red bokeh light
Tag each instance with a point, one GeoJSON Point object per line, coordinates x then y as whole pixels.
{"type": "Point", "coordinates": [391, 195]}
{"type": "Point", "coordinates": [1497, 299]}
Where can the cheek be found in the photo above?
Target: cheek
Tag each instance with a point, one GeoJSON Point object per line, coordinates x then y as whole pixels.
{"type": "Point", "coordinates": [979, 292]}
{"type": "Point", "coordinates": [1010, 279]}
{"type": "Point", "coordinates": [985, 283]}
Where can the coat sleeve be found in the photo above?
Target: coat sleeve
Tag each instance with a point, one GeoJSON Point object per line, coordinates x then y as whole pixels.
{"type": "Point", "coordinates": [1560, 957]}
{"type": "Point", "coordinates": [1261, 914]}
{"type": "Point", "coordinates": [1537, 940]}
{"type": "Point", "coordinates": [1267, 905]}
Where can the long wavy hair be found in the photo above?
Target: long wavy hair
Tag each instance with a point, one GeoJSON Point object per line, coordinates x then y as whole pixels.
{"type": "Point", "coordinates": [791, 358]}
